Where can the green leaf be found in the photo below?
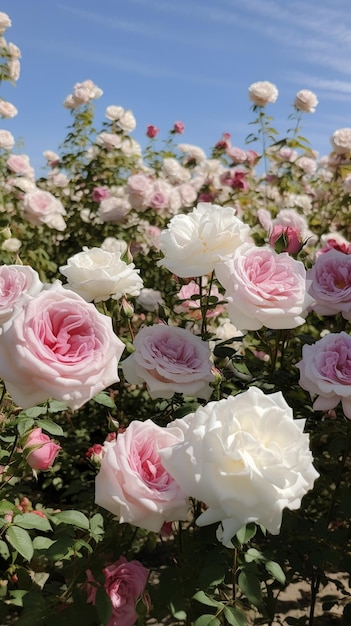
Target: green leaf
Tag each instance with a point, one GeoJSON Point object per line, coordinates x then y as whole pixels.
{"type": "Point", "coordinates": [50, 427]}
{"type": "Point", "coordinates": [246, 533]}
{"type": "Point", "coordinates": [34, 411]}
{"type": "Point", "coordinates": [275, 571]}
{"type": "Point", "coordinates": [203, 598]}
{"type": "Point", "coordinates": [6, 506]}
{"type": "Point", "coordinates": [24, 425]}
{"type": "Point", "coordinates": [211, 575]}
{"type": "Point", "coordinates": [4, 550]}
{"type": "Point", "coordinates": [234, 616]}
{"type": "Point", "coordinates": [56, 406]}
{"type": "Point", "coordinates": [207, 620]}
{"type": "Point", "coordinates": [42, 543]}
{"type": "Point", "coordinates": [103, 606]}
{"type": "Point", "coordinates": [76, 518]}
{"type": "Point", "coordinates": [250, 586]}
{"type": "Point", "coordinates": [20, 539]}
{"type": "Point", "coordinates": [31, 520]}
{"type": "Point", "coordinates": [104, 399]}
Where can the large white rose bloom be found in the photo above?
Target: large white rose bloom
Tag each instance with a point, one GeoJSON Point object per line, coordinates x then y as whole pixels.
{"type": "Point", "coordinates": [341, 140]}
{"type": "Point", "coordinates": [246, 458]}
{"type": "Point", "coordinates": [263, 92]}
{"type": "Point", "coordinates": [98, 275]}
{"type": "Point", "coordinates": [194, 243]}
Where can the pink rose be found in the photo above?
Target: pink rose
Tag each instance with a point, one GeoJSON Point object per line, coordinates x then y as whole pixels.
{"type": "Point", "coordinates": [41, 450]}
{"type": "Point", "coordinates": [124, 584]}
{"type": "Point", "coordinates": [41, 207]}
{"type": "Point", "coordinates": [7, 140]}
{"type": "Point", "coordinates": [191, 306]}
{"type": "Point", "coordinates": [331, 284]}
{"type": "Point", "coordinates": [178, 128]}
{"type": "Point", "coordinates": [58, 346]}
{"type": "Point", "coordinates": [132, 482]}
{"type": "Point", "coordinates": [170, 360]}
{"type": "Point", "coordinates": [264, 288]}
{"type": "Point", "coordinates": [151, 131]}
{"type": "Point", "coordinates": [18, 283]}
{"type": "Point", "coordinates": [325, 371]}
{"type": "Point", "coordinates": [20, 164]}
{"type": "Point", "coordinates": [100, 193]}
{"type": "Point", "coordinates": [285, 239]}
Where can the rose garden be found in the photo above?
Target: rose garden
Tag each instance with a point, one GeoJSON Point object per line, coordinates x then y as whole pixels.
{"type": "Point", "coordinates": [175, 363]}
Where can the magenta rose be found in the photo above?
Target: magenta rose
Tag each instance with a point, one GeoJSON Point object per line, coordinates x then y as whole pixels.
{"type": "Point", "coordinates": [151, 131]}
{"type": "Point", "coordinates": [170, 360]}
{"type": "Point", "coordinates": [132, 482]}
{"type": "Point", "coordinates": [331, 284]}
{"type": "Point", "coordinates": [124, 584]}
{"type": "Point", "coordinates": [179, 128]}
{"type": "Point", "coordinates": [18, 283]}
{"type": "Point", "coordinates": [58, 346]}
{"type": "Point", "coordinates": [264, 288]}
{"type": "Point", "coordinates": [41, 451]}
{"type": "Point", "coordinates": [325, 372]}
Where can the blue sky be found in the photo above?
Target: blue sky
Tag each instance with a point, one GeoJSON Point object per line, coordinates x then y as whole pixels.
{"type": "Point", "coordinates": [168, 60]}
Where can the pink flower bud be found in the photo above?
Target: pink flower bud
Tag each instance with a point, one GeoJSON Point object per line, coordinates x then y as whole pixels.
{"type": "Point", "coordinates": [41, 450]}
{"type": "Point", "coordinates": [100, 193]}
{"type": "Point", "coordinates": [179, 128]}
{"type": "Point", "coordinates": [151, 131]}
{"type": "Point", "coordinates": [285, 239]}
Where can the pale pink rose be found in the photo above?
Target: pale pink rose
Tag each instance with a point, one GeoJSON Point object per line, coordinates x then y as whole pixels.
{"type": "Point", "coordinates": [306, 101]}
{"type": "Point", "coordinates": [285, 239]}
{"type": "Point", "coordinates": [341, 140]}
{"type": "Point", "coordinates": [7, 109]}
{"type": "Point", "coordinates": [52, 158]}
{"type": "Point", "coordinates": [132, 483]}
{"type": "Point", "coordinates": [7, 140]}
{"type": "Point", "coordinates": [193, 307]}
{"type": "Point", "coordinates": [58, 179]}
{"type": "Point", "coordinates": [188, 194]}
{"type": "Point", "coordinates": [109, 141]}
{"type": "Point", "coordinates": [179, 128]}
{"type": "Point", "coordinates": [325, 371]}
{"type": "Point", "coordinates": [150, 299]}
{"type": "Point", "coordinates": [252, 157]}
{"type": "Point", "coordinates": [41, 207]}
{"type": "Point", "coordinates": [114, 209]}
{"type": "Point", "coordinates": [170, 360]}
{"type": "Point", "coordinates": [100, 193]}
{"type": "Point", "coordinates": [18, 283]}
{"type": "Point", "coordinates": [85, 91]}
{"type": "Point", "coordinates": [20, 164]}
{"type": "Point", "coordinates": [14, 69]}
{"type": "Point", "coordinates": [58, 346]}
{"type": "Point", "coordinates": [263, 92]}
{"type": "Point", "coordinates": [159, 197]}
{"type": "Point", "coordinates": [264, 288]}
{"type": "Point", "coordinates": [139, 187]}
{"type": "Point", "coordinates": [152, 131]}
{"type": "Point", "coordinates": [236, 155]}
{"type": "Point", "coordinates": [40, 450]}
{"type": "Point", "coordinates": [330, 284]}
{"type": "Point", "coordinates": [124, 584]}
{"type": "Point", "coordinates": [307, 165]}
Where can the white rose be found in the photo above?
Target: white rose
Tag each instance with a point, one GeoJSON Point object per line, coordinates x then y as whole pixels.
{"type": "Point", "coordinates": [130, 147]}
{"type": "Point", "coordinates": [246, 458]}
{"type": "Point", "coordinates": [126, 122]}
{"type": "Point", "coordinates": [193, 152]}
{"type": "Point", "coordinates": [14, 68]}
{"type": "Point", "coordinates": [7, 109]}
{"type": "Point", "coordinates": [109, 141]}
{"type": "Point", "coordinates": [11, 245]}
{"type": "Point", "coordinates": [98, 275]}
{"type": "Point", "coordinates": [306, 101]}
{"type": "Point", "coordinates": [111, 244]}
{"type": "Point", "coordinates": [194, 243]}
{"type": "Point", "coordinates": [6, 140]}
{"type": "Point", "coordinates": [341, 140]}
{"type": "Point", "coordinates": [114, 112]}
{"type": "Point", "coordinates": [114, 209]}
{"type": "Point", "coordinates": [174, 172]}
{"type": "Point", "coordinates": [261, 93]}
{"type": "Point", "coordinates": [150, 299]}
{"type": "Point", "coordinates": [5, 22]}
{"type": "Point", "coordinates": [13, 50]}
